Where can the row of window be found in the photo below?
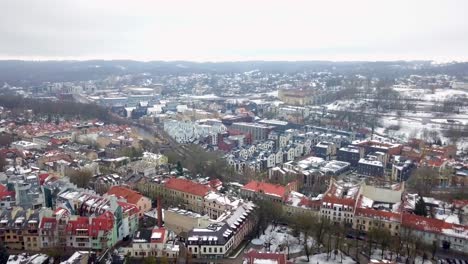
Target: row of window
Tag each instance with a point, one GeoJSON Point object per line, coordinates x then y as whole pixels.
{"type": "Point", "coordinates": [143, 254]}
{"type": "Point", "coordinates": [339, 208]}
{"type": "Point", "coordinates": [210, 250]}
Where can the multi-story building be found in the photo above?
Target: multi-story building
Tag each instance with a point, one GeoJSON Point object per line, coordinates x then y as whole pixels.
{"type": "Point", "coordinates": [152, 242]}
{"type": "Point", "coordinates": [371, 166]}
{"type": "Point", "coordinates": [339, 201]}
{"type": "Point", "coordinates": [221, 238]}
{"type": "Point", "coordinates": [298, 96]}
{"type": "Point", "coordinates": [182, 221]}
{"type": "Point", "coordinates": [80, 203]}
{"type": "Point", "coordinates": [259, 132]}
{"type": "Point", "coordinates": [350, 154]}
{"type": "Point", "coordinates": [379, 208]}
{"type": "Point", "coordinates": [401, 170]}
{"type": "Point", "coordinates": [132, 197]}
{"type": "Point", "coordinates": [19, 229]}
{"type": "Point", "coordinates": [370, 146]}
{"type": "Point", "coordinates": [325, 150]}
{"type": "Point", "coordinates": [190, 194]}
{"type": "Point", "coordinates": [448, 236]}
{"type": "Point", "coordinates": [262, 190]}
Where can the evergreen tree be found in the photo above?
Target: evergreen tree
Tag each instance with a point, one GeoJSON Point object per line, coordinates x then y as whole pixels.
{"type": "Point", "coordinates": [179, 168]}
{"type": "Point", "coordinates": [3, 254]}
{"type": "Point", "coordinates": [420, 207]}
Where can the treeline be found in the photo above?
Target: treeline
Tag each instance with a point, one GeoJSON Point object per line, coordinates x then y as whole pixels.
{"type": "Point", "coordinates": [60, 108]}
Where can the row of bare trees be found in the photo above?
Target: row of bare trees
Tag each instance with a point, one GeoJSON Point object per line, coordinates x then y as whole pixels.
{"type": "Point", "coordinates": [320, 235]}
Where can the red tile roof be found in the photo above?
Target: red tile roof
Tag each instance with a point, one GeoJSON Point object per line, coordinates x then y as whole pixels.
{"type": "Point", "coordinates": [104, 222]}
{"type": "Point", "coordinates": [43, 177]}
{"type": "Point", "coordinates": [79, 223]}
{"type": "Point", "coordinates": [215, 183]}
{"type": "Point", "coordinates": [433, 225]}
{"type": "Point", "coordinates": [378, 214]}
{"type": "Point", "coordinates": [267, 188]}
{"type": "Point", "coordinates": [127, 207]}
{"type": "Point", "coordinates": [4, 192]}
{"type": "Point", "coordinates": [160, 239]}
{"type": "Point", "coordinates": [130, 195]}
{"type": "Point", "coordinates": [253, 256]}
{"type": "Point", "coordinates": [339, 201]}
{"type": "Point", "coordinates": [44, 223]}
{"type": "Point", "coordinates": [187, 186]}
{"type": "Point", "coordinates": [310, 203]}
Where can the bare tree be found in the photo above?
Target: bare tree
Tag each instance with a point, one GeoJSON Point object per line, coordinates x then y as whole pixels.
{"type": "Point", "coordinates": [423, 180]}
{"type": "Point", "coordinates": [80, 177]}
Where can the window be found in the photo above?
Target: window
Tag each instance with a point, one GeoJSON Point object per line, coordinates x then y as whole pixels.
{"type": "Point", "coordinates": [204, 249]}
{"type": "Point", "coordinates": [195, 249]}
{"type": "Point", "coordinates": [209, 250]}
{"type": "Point", "coordinates": [215, 250]}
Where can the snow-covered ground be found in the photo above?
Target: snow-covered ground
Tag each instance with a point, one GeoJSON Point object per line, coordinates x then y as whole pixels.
{"type": "Point", "coordinates": [414, 128]}
{"type": "Point", "coordinates": [426, 95]}
{"type": "Point", "coordinates": [388, 255]}
{"type": "Point", "coordinates": [322, 259]}
{"type": "Point", "coordinates": [280, 237]}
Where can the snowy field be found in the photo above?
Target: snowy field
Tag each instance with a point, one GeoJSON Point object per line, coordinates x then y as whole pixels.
{"type": "Point", "coordinates": [279, 238]}
{"type": "Point", "coordinates": [415, 124]}
{"type": "Point", "coordinates": [414, 128]}
{"type": "Point", "coordinates": [426, 95]}
{"type": "Point", "coordinates": [322, 259]}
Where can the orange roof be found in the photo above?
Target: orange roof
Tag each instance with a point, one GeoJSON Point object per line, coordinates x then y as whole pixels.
{"type": "Point", "coordinates": [339, 201]}
{"type": "Point", "coordinates": [254, 256]}
{"type": "Point", "coordinates": [433, 225]}
{"type": "Point", "coordinates": [267, 188]}
{"type": "Point", "coordinates": [377, 214]}
{"type": "Point", "coordinates": [130, 195]}
{"type": "Point", "coordinates": [187, 186]}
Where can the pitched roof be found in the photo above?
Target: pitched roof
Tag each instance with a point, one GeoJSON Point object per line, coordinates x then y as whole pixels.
{"type": "Point", "coordinates": [433, 225]}
{"type": "Point", "coordinates": [5, 192]}
{"type": "Point", "coordinates": [128, 207]}
{"type": "Point", "coordinates": [48, 223]}
{"type": "Point", "coordinates": [187, 186]}
{"type": "Point", "coordinates": [78, 223]}
{"type": "Point", "coordinates": [104, 222]}
{"type": "Point", "coordinates": [378, 214]}
{"type": "Point", "coordinates": [267, 188]}
{"type": "Point", "coordinates": [253, 257]}
{"type": "Point", "coordinates": [158, 235]}
{"type": "Point", "coordinates": [130, 195]}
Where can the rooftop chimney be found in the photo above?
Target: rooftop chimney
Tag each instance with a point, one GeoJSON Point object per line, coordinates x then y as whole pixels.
{"type": "Point", "coordinates": [159, 209]}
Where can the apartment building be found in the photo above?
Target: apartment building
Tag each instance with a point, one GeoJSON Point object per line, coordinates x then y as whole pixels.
{"type": "Point", "coordinates": [189, 193]}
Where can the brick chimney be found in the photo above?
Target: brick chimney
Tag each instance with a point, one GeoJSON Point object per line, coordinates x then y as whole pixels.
{"type": "Point", "coordinates": [159, 209]}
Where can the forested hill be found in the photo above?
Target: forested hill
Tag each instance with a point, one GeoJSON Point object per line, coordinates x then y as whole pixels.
{"type": "Point", "coordinates": [35, 72]}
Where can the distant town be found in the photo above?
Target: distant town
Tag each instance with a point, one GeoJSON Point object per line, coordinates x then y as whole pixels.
{"type": "Point", "coordinates": [253, 163]}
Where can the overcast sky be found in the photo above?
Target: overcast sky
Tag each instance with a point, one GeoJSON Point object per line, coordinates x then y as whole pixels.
{"type": "Point", "coordinates": [234, 30]}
